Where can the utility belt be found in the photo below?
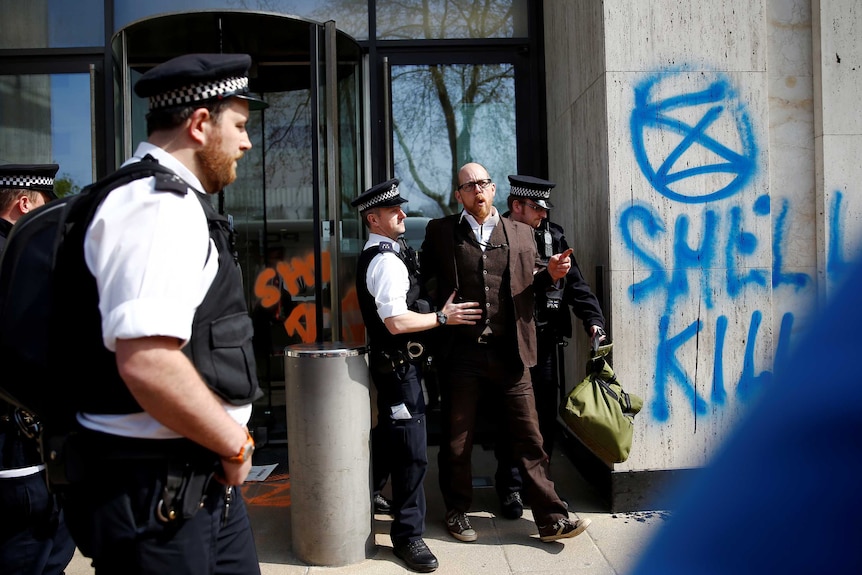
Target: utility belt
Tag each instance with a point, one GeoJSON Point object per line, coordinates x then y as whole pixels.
{"type": "Point", "coordinates": [388, 360]}
{"type": "Point", "coordinates": [550, 331]}
{"type": "Point", "coordinates": [16, 419]}
{"type": "Point", "coordinates": [188, 468]}
{"type": "Point", "coordinates": [19, 441]}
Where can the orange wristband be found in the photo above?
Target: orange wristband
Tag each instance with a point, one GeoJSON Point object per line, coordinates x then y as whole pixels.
{"type": "Point", "coordinates": [245, 451]}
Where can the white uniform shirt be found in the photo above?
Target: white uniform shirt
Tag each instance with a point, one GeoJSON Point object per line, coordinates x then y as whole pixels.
{"type": "Point", "coordinates": [148, 251]}
{"type": "Point", "coordinates": [387, 279]}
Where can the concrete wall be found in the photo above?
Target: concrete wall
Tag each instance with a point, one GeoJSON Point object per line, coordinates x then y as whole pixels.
{"type": "Point", "coordinates": [711, 150]}
{"type": "Point", "coordinates": [837, 55]}
{"type": "Point", "coordinates": [578, 142]}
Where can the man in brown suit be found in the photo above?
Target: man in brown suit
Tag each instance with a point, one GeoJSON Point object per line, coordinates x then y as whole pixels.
{"type": "Point", "coordinates": [492, 260]}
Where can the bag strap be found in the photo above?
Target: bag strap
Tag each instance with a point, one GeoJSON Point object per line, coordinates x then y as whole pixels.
{"type": "Point", "coordinates": [622, 397]}
{"type": "Point", "coordinates": [605, 385]}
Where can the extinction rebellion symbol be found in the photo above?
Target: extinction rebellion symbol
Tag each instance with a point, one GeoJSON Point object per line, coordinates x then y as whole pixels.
{"type": "Point", "coordinates": [695, 146]}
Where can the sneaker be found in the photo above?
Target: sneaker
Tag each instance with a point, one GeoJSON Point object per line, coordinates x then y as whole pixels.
{"type": "Point", "coordinates": [459, 526]}
{"type": "Point", "coordinates": [382, 505]}
{"type": "Point", "coordinates": [416, 556]}
{"type": "Point", "coordinates": [563, 529]}
{"type": "Point", "coordinates": [512, 507]}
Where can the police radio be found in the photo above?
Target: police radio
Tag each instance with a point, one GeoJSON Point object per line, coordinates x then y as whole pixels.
{"type": "Point", "coordinates": [554, 294]}
{"type": "Point", "coordinates": [545, 241]}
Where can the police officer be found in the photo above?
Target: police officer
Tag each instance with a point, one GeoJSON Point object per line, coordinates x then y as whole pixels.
{"type": "Point", "coordinates": [529, 203]}
{"type": "Point", "coordinates": [33, 534]}
{"type": "Point", "coordinates": [168, 378]}
{"type": "Point", "coordinates": [388, 289]}
{"type": "Point", "coordinates": [23, 188]}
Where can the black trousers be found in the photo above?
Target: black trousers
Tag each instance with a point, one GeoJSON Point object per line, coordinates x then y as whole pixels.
{"type": "Point", "coordinates": [399, 450]}
{"type": "Point", "coordinates": [33, 535]}
{"type": "Point", "coordinates": [112, 511]}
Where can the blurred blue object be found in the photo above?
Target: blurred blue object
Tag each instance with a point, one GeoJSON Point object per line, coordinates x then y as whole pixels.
{"type": "Point", "coordinates": [784, 492]}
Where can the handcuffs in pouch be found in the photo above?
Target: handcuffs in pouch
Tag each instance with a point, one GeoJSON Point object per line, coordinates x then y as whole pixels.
{"type": "Point", "coordinates": [415, 349]}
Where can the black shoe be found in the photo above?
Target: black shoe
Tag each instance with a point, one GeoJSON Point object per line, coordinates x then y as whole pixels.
{"type": "Point", "coordinates": [416, 556]}
{"type": "Point", "coordinates": [382, 505]}
{"type": "Point", "coordinates": [512, 507]}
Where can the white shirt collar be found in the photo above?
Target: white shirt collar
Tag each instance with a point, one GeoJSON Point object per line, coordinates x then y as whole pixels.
{"type": "Point", "coordinates": [375, 239]}
{"type": "Point", "coordinates": [482, 231]}
{"type": "Point", "coordinates": [167, 160]}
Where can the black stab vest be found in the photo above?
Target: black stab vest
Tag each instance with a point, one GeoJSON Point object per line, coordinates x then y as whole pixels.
{"type": "Point", "coordinates": [220, 346]}
{"type": "Point", "coordinates": [378, 335]}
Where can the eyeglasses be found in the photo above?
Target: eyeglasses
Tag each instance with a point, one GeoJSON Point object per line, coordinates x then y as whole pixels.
{"type": "Point", "coordinates": [536, 207]}
{"type": "Point", "coordinates": [470, 186]}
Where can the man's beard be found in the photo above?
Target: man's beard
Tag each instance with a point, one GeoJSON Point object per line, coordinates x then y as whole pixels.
{"type": "Point", "coordinates": [217, 166]}
{"type": "Point", "coordinates": [481, 212]}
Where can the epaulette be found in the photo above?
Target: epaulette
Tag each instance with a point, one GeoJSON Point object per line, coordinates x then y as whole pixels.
{"type": "Point", "coordinates": [171, 183]}
{"type": "Point", "coordinates": [384, 247]}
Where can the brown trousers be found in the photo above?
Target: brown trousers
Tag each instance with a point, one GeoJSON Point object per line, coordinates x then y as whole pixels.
{"type": "Point", "coordinates": [470, 370]}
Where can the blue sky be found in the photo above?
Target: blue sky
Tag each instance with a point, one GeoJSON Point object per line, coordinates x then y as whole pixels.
{"type": "Point", "coordinates": [71, 127]}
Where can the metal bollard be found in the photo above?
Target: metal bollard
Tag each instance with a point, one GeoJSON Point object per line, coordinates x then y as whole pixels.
{"type": "Point", "coordinates": [328, 430]}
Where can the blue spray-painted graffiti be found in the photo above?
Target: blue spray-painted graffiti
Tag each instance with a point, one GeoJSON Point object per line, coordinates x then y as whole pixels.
{"type": "Point", "coordinates": [664, 116]}
{"type": "Point", "coordinates": [837, 264]}
{"type": "Point", "coordinates": [687, 160]}
{"type": "Point", "coordinates": [668, 368]}
{"type": "Point", "coordinates": [740, 243]}
{"type": "Point", "coordinates": [641, 225]}
{"type": "Point", "coordinates": [780, 277]}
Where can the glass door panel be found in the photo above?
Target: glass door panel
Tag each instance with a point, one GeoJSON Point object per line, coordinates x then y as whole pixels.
{"type": "Point", "coordinates": [351, 164]}
{"type": "Point", "coordinates": [444, 116]}
{"type": "Point", "coordinates": [272, 206]}
{"type": "Point", "coordinates": [46, 118]}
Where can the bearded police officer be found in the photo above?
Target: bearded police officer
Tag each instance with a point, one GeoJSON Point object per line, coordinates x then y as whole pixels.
{"type": "Point", "coordinates": [33, 534]}
{"type": "Point", "coordinates": [529, 203]}
{"type": "Point", "coordinates": [387, 283]}
{"type": "Point", "coordinates": [169, 381]}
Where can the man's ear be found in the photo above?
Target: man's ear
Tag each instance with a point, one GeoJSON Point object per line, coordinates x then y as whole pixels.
{"type": "Point", "coordinates": [25, 204]}
{"type": "Point", "coordinates": [198, 124]}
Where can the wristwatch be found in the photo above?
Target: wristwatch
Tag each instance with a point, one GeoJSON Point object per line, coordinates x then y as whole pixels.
{"type": "Point", "coordinates": [441, 318]}
{"type": "Point", "coordinates": [245, 451]}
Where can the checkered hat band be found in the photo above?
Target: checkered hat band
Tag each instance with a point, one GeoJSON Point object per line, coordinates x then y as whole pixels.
{"type": "Point", "coordinates": [529, 193]}
{"type": "Point", "coordinates": [199, 92]}
{"type": "Point", "coordinates": [25, 181]}
{"type": "Point", "coordinates": [387, 195]}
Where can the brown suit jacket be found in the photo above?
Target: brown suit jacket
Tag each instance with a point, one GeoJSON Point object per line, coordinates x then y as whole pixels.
{"type": "Point", "coordinates": [438, 275]}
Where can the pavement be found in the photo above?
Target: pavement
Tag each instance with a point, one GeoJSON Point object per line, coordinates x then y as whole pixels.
{"type": "Point", "coordinates": [610, 546]}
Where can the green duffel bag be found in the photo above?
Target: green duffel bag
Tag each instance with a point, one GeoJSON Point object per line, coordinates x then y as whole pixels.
{"type": "Point", "coordinates": [600, 413]}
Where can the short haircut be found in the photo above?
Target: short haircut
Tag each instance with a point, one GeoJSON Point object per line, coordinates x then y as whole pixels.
{"type": "Point", "coordinates": [9, 196]}
{"type": "Point", "coordinates": [510, 201]}
{"type": "Point", "coordinates": [364, 215]}
{"type": "Point", "coordinates": [174, 116]}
